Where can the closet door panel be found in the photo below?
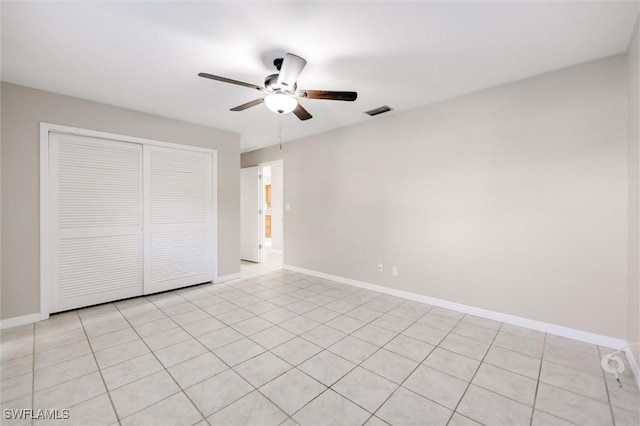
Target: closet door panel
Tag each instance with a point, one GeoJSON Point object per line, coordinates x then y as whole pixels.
{"type": "Point", "coordinates": [95, 220]}
{"type": "Point", "coordinates": [178, 218]}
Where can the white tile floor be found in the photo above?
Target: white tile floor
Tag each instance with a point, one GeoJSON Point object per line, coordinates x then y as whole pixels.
{"type": "Point", "coordinates": [279, 347]}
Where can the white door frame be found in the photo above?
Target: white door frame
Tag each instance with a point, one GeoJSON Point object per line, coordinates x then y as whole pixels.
{"type": "Point", "coordinates": [45, 129]}
{"type": "Point", "coordinates": [262, 226]}
{"type": "Point", "coordinates": [254, 173]}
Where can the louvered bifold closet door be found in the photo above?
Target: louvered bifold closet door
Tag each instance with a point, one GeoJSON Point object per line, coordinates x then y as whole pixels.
{"type": "Point", "coordinates": [96, 220]}
{"type": "Point", "coordinates": [178, 218]}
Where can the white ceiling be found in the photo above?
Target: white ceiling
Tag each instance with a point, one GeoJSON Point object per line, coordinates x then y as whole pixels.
{"type": "Point", "coordinates": [146, 55]}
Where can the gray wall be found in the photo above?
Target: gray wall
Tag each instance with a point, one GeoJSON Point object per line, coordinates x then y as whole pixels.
{"type": "Point", "coordinates": [513, 199]}
{"type": "Point", "coordinates": [22, 111]}
{"type": "Point", "coordinates": [633, 335]}
{"type": "Point", "coordinates": [277, 206]}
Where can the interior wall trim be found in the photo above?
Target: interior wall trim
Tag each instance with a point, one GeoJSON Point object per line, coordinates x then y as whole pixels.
{"type": "Point", "coordinates": [557, 330]}
{"type": "Point", "coordinates": [225, 278]}
{"type": "Point", "coordinates": [31, 318]}
{"type": "Point", "coordinates": [21, 320]}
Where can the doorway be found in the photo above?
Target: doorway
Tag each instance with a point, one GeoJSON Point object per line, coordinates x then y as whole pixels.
{"type": "Point", "coordinates": [273, 207]}
{"type": "Point", "coordinates": [262, 214]}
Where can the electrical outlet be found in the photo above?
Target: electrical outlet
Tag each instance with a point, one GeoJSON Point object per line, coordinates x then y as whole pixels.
{"type": "Point", "coordinates": [380, 267]}
{"type": "Point", "coordinates": [394, 271]}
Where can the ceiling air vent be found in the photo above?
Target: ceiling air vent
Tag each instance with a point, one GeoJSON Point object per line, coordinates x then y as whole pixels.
{"type": "Point", "coordinates": [379, 110]}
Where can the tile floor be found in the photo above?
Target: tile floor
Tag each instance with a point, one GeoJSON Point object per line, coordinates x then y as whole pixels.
{"type": "Point", "coordinates": [278, 347]}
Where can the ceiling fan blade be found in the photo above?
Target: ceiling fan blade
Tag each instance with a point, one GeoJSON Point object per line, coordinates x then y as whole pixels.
{"type": "Point", "coordinates": [302, 113]}
{"type": "Point", "coordinates": [248, 105]}
{"type": "Point", "coordinates": [327, 94]}
{"type": "Point", "coordinates": [228, 80]}
{"type": "Point", "coordinates": [291, 68]}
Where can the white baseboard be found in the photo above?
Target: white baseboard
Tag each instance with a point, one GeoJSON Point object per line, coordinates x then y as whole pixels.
{"type": "Point", "coordinates": [558, 330]}
{"type": "Point", "coordinates": [225, 278]}
{"type": "Point", "coordinates": [21, 320]}
{"type": "Point", "coordinates": [31, 318]}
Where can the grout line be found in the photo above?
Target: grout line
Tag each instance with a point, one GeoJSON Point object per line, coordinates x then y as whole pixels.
{"type": "Point", "coordinates": [100, 371]}
{"type": "Point", "coordinates": [419, 364]}
{"type": "Point", "coordinates": [33, 373]}
{"type": "Point", "coordinates": [323, 349]}
{"type": "Point", "coordinates": [291, 287]}
{"type": "Point", "coordinates": [229, 367]}
{"type": "Point", "coordinates": [74, 357]}
{"type": "Point", "coordinates": [162, 365]}
{"type": "Point", "coordinates": [186, 360]}
{"type": "Point", "coordinates": [375, 373]}
{"type": "Point", "coordinates": [568, 391]}
{"type": "Point", "coordinates": [571, 392]}
{"type": "Point", "coordinates": [66, 380]}
{"type": "Point", "coordinates": [535, 396]}
{"type": "Point", "coordinates": [519, 337]}
{"type": "Point", "coordinates": [606, 386]}
{"type": "Point", "coordinates": [397, 333]}
{"type": "Point", "coordinates": [513, 372]}
{"type": "Point", "coordinates": [455, 409]}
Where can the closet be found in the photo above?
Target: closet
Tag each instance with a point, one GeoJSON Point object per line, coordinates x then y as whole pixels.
{"type": "Point", "coordinates": [125, 218]}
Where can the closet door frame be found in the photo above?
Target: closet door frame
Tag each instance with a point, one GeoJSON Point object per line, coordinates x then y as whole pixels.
{"type": "Point", "coordinates": [45, 255]}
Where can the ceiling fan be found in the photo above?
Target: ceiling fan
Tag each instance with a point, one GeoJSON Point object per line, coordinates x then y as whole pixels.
{"type": "Point", "coordinates": [281, 89]}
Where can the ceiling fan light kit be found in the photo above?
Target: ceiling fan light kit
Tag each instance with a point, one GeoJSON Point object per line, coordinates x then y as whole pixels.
{"type": "Point", "coordinates": [281, 89]}
{"type": "Point", "coordinates": [280, 103]}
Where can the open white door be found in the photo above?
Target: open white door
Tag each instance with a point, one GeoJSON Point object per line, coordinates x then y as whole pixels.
{"type": "Point", "coordinates": [250, 214]}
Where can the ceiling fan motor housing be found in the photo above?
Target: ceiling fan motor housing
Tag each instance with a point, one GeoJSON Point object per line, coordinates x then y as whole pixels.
{"type": "Point", "coordinates": [271, 84]}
